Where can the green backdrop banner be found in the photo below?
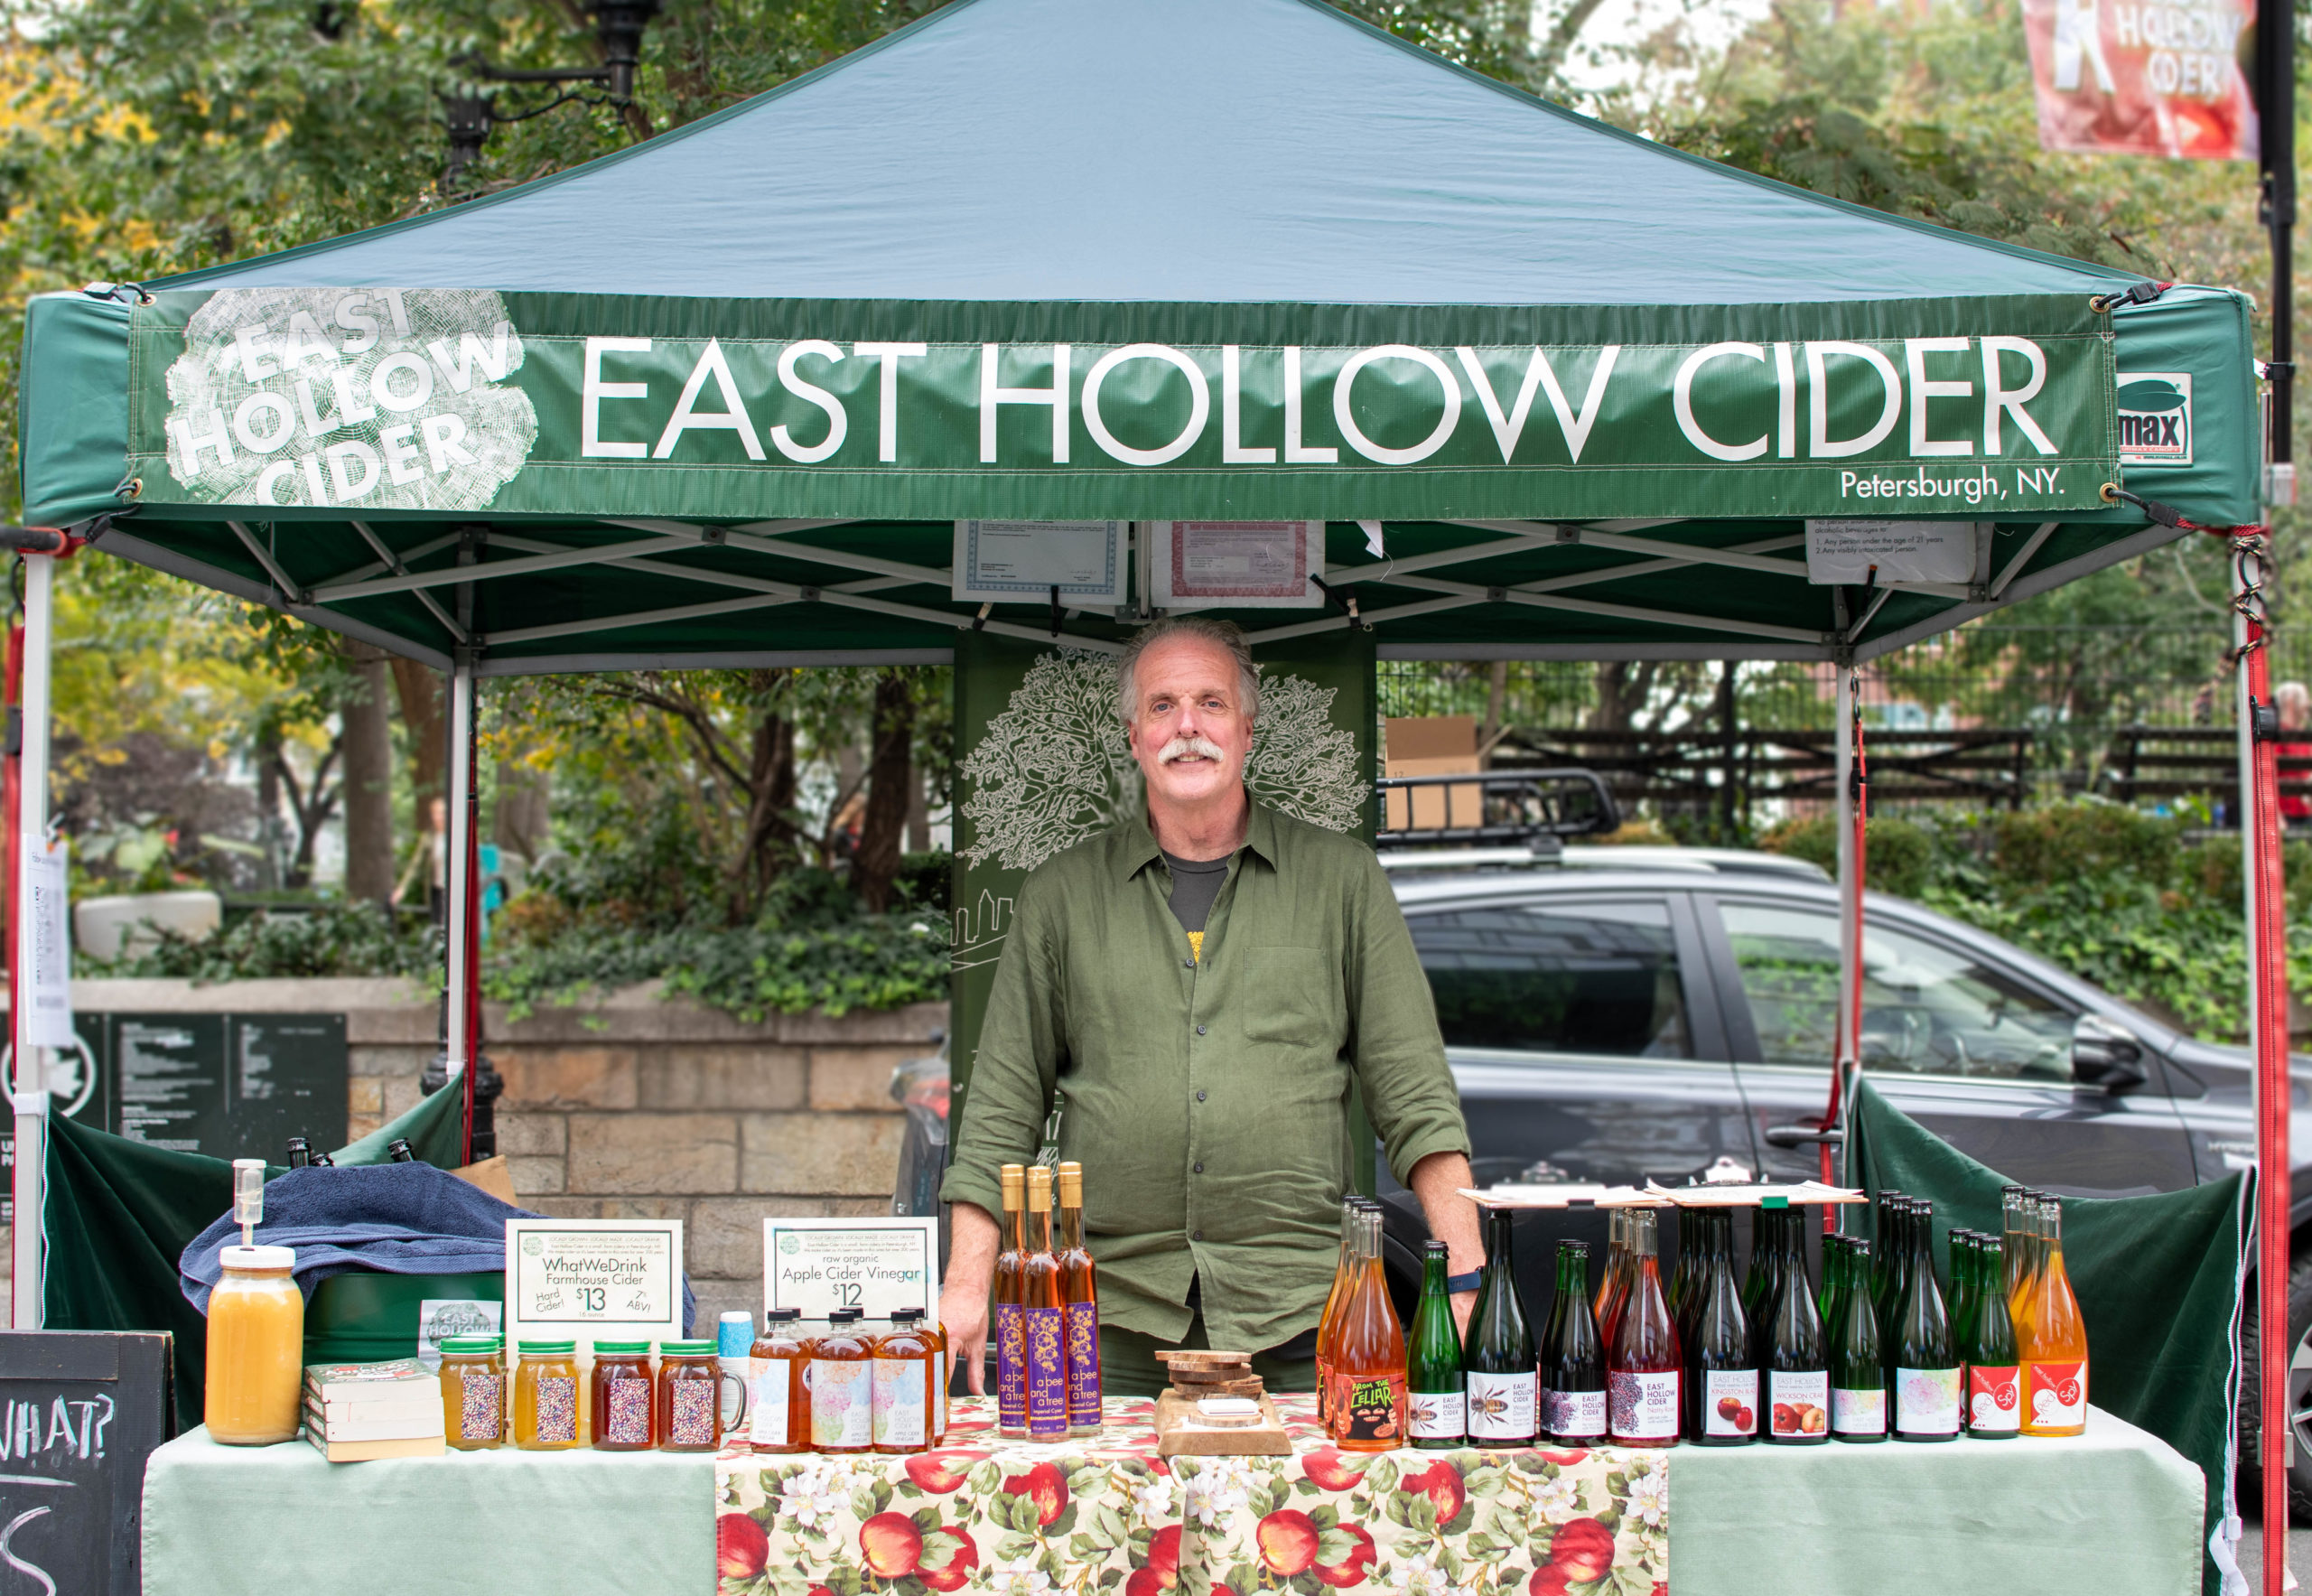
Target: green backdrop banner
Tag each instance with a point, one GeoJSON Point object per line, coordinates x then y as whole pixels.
{"type": "Point", "coordinates": [2156, 1278]}
{"type": "Point", "coordinates": [434, 400]}
{"type": "Point", "coordinates": [1041, 764]}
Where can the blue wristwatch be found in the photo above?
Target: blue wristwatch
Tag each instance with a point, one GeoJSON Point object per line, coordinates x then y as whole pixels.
{"type": "Point", "coordinates": [1464, 1282]}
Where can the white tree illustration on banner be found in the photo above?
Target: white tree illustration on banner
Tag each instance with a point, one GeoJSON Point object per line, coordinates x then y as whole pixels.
{"type": "Point", "coordinates": [1053, 768]}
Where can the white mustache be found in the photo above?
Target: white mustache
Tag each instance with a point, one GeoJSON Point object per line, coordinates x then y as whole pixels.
{"type": "Point", "coordinates": [1179, 748]}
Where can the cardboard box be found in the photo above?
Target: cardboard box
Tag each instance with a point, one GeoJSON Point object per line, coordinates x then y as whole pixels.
{"type": "Point", "coordinates": [1431, 746]}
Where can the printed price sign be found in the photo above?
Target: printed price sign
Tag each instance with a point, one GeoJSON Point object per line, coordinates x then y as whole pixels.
{"type": "Point", "coordinates": [875, 1265]}
{"type": "Point", "coordinates": [579, 1279]}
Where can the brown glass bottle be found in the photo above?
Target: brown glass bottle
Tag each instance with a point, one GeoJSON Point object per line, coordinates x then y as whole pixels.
{"type": "Point", "coordinates": [1011, 1344]}
{"type": "Point", "coordinates": [1079, 1307]}
{"type": "Point", "coordinates": [779, 1408]}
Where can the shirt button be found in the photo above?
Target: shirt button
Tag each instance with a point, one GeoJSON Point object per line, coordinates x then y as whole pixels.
{"type": "Point", "coordinates": [1198, 1169]}
{"type": "Point", "coordinates": [1200, 1096]}
{"type": "Point", "coordinates": [1199, 1031]}
{"type": "Point", "coordinates": [1198, 1236]}
{"type": "Point", "coordinates": [1187, 964]}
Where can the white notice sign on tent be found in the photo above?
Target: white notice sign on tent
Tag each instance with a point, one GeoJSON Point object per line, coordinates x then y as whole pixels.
{"type": "Point", "coordinates": [1849, 551]}
{"type": "Point", "coordinates": [1023, 561]}
{"type": "Point", "coordinates": [48, 948]}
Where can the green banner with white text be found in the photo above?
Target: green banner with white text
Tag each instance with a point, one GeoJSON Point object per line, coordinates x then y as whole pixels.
{"type": "Point", "coordinates": [374, 402]}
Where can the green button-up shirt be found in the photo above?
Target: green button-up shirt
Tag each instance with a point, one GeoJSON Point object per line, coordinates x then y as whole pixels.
{"type": "Point", "coordinates": [1208, 1100]}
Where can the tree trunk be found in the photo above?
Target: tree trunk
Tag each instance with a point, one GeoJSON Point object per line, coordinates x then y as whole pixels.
{"type": "Point", "coordinates": [919, 811]}
{"type": "Point", "coordinates": [268, 805]}
{"type": "Point", "coordinates": [524, 815]}
{"type": "Point", "coordinates": [418, 689]}
{"type": "Point", "coordinates": [770, 783]}
{"type": "Point", "coordinates": [368, 779]}
{"type": "Point", "coordinates": [877, 862]}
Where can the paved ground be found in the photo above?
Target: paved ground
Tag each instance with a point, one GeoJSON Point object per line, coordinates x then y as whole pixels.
{"type": "Point", "coordinates": [2252, 1556]}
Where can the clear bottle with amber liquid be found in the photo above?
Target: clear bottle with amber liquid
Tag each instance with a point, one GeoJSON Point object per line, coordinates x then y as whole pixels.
{"type": "Point", "coordinates": [1344, 1277]}
{"type": "Point", "coordinates": [1367, 1412]}
{"type": "Point", "coordinates": [2051, 1338]}
{"type": "Point", "coordinates": [1079, 1307]}
{"type": "Point", "coordinates": [1040, 1317]}
{"type": "Point", "coordinates": [1011, 1327]}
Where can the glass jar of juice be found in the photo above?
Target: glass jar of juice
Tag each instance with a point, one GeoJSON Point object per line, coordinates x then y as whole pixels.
{"type": "Point", "coordinates": [473, 1393]}
{"type": "Point", "coordinates": [902, 1385]}
{"type": "Point", "coordinates": [546, 1397]}
{"type": "Point", "coordinates": [690, 1389]}
{"type": "Point", "coordinates": [780, 1407]}
{"type": "Point", "coordinates": [621, 1396]}
{"type": "Point", "coordinates": [256, 1348]}
{"type": "Point", "coordinates": [843, 1386]}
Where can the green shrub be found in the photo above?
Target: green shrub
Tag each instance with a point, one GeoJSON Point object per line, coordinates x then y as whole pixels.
{"type": "Point", "coordinates": [325, 939]}
{"type": "Point", "coordinates": [1901, 853]}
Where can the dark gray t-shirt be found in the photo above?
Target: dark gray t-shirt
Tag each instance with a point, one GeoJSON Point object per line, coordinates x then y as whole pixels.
{"type": "Point", "coordinates": [1196, 882]}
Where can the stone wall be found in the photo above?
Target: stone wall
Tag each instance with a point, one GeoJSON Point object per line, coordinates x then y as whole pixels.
{"type": "Point", "coordinates": [633, 1106]}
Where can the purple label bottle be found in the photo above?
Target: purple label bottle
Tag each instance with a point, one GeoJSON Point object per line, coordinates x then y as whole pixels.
{"type": "Point", "coordinates": [1080, 1324]}
{"type": "Point", "coordinates": [1011, 1369]}
{"type": "Point", "coordinates": [1047, 1376]}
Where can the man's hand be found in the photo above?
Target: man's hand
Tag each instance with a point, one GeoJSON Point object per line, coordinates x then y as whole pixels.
{"type": "Point", "coordinates": [1437, 1181]}
{"type": "Point", "coordinates": [963, 1296]}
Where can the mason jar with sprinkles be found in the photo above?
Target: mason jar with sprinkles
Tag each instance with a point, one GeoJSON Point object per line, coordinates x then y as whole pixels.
{"type": "Point", "coordinates": [473, 1393]}
{"type": "Point", "coordinates": [622, 1393]}
{"type": "Point", "coordinates": [546, 1397]}
{"type": "Point", "coordinates": [690, 1383]}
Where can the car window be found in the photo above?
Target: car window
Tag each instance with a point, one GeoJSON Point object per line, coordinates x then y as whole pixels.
{"type": "Point", "coordinates": [1927, 1009]}
{"type": "Point", "coordinates": [1585, 977]}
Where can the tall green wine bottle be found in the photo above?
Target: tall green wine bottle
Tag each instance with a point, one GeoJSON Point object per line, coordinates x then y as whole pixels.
{"type": "Point", "coordinates": [1501, 1370]}
{"type": "Point", "coordinates": [1721, 1373]}
{"type": "Point", "coordinates": [1994, 1391]}
{"type": "Point", "coordinates": [1857, 1372]}
{"type": "Point", "coordinates": [1433, 1400]}
{"type": "Point", "coordinates": [1576, 1365]}
{"type": "Point", "coordinates": [1925, 1361]}
{"type": "Point", "coordinates": [1796, 1364]}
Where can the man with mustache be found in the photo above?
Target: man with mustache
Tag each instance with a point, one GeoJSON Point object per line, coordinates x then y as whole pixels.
{"type": "Point", "coordinates": [1195, 993]}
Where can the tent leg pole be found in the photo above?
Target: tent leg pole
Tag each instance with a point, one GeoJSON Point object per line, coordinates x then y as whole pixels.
{"type": "Point", "coordinates": [470, 1007]}
{"type": "Point", "coordinates": [28, 819]}
{"type": "Point", "coordinates": [459, 846]}
{"type": "Point", "coordinates": [1845, 1045]}
{"type": "Point", "coordinates": [2268, 1020]}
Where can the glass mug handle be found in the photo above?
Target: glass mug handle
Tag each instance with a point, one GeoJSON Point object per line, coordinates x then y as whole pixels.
{"type": "Point", "coordinates": [733, 1408]}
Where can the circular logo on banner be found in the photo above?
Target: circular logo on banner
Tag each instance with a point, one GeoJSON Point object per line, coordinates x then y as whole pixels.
{"type": "Point", "coordinates": [533, 1244]}
{"type": "Point", "coordinates": [791, 1244]}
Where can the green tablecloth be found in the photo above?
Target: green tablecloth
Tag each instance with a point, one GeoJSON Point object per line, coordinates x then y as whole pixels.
{"type": "Point", "coordinates": [2114, 1513]}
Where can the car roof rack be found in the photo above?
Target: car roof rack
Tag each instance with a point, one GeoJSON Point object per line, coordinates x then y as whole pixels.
{"type": "Point", "coordinates": [1534, 811]}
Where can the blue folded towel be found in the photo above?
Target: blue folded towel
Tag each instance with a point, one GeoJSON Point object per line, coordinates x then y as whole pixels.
{"type": "Point", "coordinates": [388, 1218]}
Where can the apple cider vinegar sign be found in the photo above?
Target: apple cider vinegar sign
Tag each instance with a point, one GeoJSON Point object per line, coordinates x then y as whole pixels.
{"type": "Point", "coordinates": [875, 1265]}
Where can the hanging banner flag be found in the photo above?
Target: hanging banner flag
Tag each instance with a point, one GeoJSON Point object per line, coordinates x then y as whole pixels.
{"type": "Point", "coordinates": [2143, 77]}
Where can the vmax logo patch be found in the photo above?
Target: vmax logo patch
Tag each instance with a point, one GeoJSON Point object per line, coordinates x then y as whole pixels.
{"type": "Point", "coordinates": [2155, 419]}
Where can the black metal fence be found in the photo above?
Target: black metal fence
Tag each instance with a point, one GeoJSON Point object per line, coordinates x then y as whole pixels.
{"type": "Point", "coordinates": [1987, 716]}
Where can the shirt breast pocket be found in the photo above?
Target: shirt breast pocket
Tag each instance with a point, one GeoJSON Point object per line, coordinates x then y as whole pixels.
{"type": "Point", "coordinates": [1293, 995]}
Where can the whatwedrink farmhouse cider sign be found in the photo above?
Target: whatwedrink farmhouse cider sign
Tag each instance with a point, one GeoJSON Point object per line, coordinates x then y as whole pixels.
{"type": "Point", "coordinates": [366, 401]}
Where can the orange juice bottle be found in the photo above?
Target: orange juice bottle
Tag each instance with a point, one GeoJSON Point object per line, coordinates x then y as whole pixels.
{"type": "Point", "coordinates": [2051, 1341]}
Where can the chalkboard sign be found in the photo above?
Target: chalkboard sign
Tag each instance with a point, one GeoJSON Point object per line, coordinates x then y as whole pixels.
{"type": "Point", "coordinates": [81, 1412]}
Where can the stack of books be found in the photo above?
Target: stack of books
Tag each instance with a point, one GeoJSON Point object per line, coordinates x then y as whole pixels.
{"type": "Point", "coordinates": [358, 1411]}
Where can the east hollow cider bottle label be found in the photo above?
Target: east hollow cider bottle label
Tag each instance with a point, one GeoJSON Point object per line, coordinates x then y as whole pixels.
{"type": "Point", "coordinates": [1858, 1412]}
{"type": "Point", "coordinates": [1435, 1415]}
{"type": "Point", "coordinates": [1502, 1407]}
{"type": "Point", "coordinates": [1994, 1400]}
{"type": "Point", "coordinates": [1375, 1404]}
{"type": "Point", "coordinates": [2057, 1393]}
{"type": "Point", "coordinates": [1643, 1406]}
{"type": "Point", "coordinates": [1047, 1376]}
{"type": "Point", "coordinates": [1729, 1401]}
{"type": "Point", "coordinates": [1798, 1402]}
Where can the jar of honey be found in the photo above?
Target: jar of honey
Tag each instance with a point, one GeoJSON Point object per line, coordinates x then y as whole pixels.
{"type": "Point", "coordinates": [256, 1349]}
{"type": "Point", "coordinates": [546, 1397]}
{"type": "Point", "coordinates": [690, 1396]}
{"type": "Point", "coordinates": [473, 1393]}
{"type": "Point", "coordinates": [621, 1396]}
{"type": "Point", "coordinates": [902, 1385]}
{"type": "Point", "coordinates": [843, 1386]}
{"type": "Point", "coordinates": [780, 1410]}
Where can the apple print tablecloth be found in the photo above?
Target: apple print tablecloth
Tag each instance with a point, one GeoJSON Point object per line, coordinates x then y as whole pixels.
{"type": "Point", "coordinates": [1072, 1519]}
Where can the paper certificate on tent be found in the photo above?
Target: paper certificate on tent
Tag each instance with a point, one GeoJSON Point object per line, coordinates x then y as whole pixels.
{"type": "Point", "coordinates": [1856, 552]}
{"type": "Point", "coordinates": [1023, 561]}
{"type": "Point", "coordinates": [48, 948]}
{"type": "Point", "coordinates": [581, 1279]}
{"type": "Point", "coordinates": [1238, 565]}
{"type": "Point", "coordinates": [875, 1265]}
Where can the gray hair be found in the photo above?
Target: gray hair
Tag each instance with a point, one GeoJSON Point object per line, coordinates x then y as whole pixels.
{"type": "Point", "coordinates": [1225, 634]}
{"type": "Point", "coordinates": [2293, 693]}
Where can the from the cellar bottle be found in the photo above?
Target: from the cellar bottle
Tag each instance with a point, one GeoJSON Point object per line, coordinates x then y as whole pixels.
{"type": "Point", "coordinates": [1795, 1365]}
{"type": "Point", "coordinates": [1925, 1364]}
{"type": "Point", "coordinates": [2054, 1347]}
{"type": "Point", "coordinates": [1994, 1387]}
{"type": "Point", "coordinates": [1498, 1358]}
{"type": "Point", "coordinates": [1079, 1307]}
{"type": "Point", "coordinates": [1434, 1416]}
{"type": "Point", "coordinates": [1010, 1329]}
{"type": "Point", "coordinates": [1367, 1410]}
{"type": "Point", "coordinates": [1642, 1362]}
{"type": "Point", "coordinates": [1858, 1369]}
{"type": "Point", "coordinates": [1577, 1359]}
{"type": "Point", "coordinates": [1721, 1385]}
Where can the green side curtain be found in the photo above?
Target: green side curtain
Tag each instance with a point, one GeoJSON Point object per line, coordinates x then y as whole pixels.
{"type": "Point", "coordinates": [2157, 1279]}
{"type": "Point", "coordinates": [120, 1214]}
